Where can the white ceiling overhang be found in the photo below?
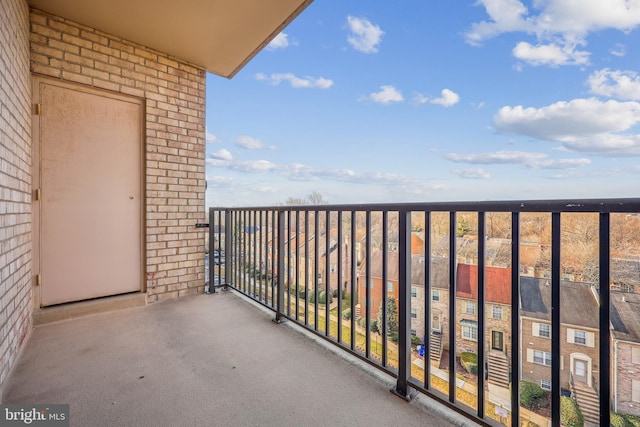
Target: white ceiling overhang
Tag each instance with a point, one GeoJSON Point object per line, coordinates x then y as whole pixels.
{"type": "Point", "coordinates": [217, 35]}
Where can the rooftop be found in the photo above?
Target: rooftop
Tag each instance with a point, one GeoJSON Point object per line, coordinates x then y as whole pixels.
{"type": "Point", "coordinates": [578, 303]}
{"type": "Point", "coordinates": [150, 365]}
{"type": "Point", "coordinates": [625, 316]}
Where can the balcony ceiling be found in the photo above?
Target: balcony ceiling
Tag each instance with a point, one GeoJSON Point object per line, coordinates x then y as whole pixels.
{"type": "Point", "coordinates": [220, 36]}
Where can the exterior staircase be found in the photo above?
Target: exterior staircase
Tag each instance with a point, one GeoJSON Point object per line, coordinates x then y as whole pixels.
{"type": "Point", "coordinates": [435, 349]}
{"type": "Point", "coordinates": [588, 401]}
{"type": "Point", "coordinates": [498, 368]}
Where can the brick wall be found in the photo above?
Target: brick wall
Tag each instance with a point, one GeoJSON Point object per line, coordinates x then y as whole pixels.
{"type": "Point", "coordinates": [627, 371]}
{"type": "Point", "coordinates": [15, 182]}
{"type": "Point", "coordinates": [501, 325]}
{"type": "Point", "coordinates": [535, 372]}
{"type": "Point", "coordinates": [174, 94]}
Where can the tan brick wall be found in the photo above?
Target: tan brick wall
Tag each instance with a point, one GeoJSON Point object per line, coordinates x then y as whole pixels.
{"type": "Point", "coordinates": [15, 182]}
{"type": "Point", "coordinates": [501, 325]}
{"type": "Point", "coordinates": [627, 371]}
{"type": "Point", "coordinates": [174, 93]}
{"type": "Point", "coordinates": [534, 372]}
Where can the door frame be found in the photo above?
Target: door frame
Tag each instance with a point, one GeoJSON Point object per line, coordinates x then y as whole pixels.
{"type": "Point", "coordinates": [496, 331]}
{"type": "Point", "coordinates": [582, 358]}
{"type": "Point", "coordinates": [36, 176]}
{"type": "Point", "coordinates": [436, 317]}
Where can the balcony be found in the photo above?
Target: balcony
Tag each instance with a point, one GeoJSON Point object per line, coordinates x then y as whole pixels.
{"type": "Point", "coordinates": [506, 312]}
{"type": "Point", "coordinates": [502, 313]}
{"type": "Point", "coordinates": [200, 361]}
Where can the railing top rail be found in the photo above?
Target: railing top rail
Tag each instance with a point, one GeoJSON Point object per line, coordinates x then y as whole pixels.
{"type": "Point", "coordinates": [559, 205]}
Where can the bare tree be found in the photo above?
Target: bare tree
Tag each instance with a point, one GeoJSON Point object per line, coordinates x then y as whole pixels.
{"type": "Point", "coordinates": [316, 198]}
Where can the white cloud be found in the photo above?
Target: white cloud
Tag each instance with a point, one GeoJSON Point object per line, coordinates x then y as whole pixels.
{"type": "Point", "coordinates": [253, 166]}
{"type": "Point", "coordinates": [250, 143]}
{"type": "Point", "coordinates": [280, 41]}
{"type": "Point", "coordinates": [583, 16]}
{"type": "Point", "coordinates": [559, 163]}
{"type": "Point", "coordinates": [587, 125]}
{"type": "Point", "coordinates": [566, 120]}
{"type": "Point", "coordinates": [299, 172]}
{"type": "Point", "coordinates": [447, 99]}
{"type": "Point", "coordinates": [506, 16]}
{"type": "Point", "coordinates": [386, 95]}
{"type": "Point", "coordinates": [498, 157]}
{"type": "Point", "coordinates": [219, 181]}
{"type": "Point", "coordinates": [550, 54]}
{"type": "Point", "coordinates": [364, 36]}
{"type": "Point", "coordinates": [559, 26]}
{"type": "Point", "coordinates": [211, 138]}
{"type": "Point", "coordinates": [618, 50]}
{"type": "Point", "coordinates": [419, 99]}
{"type": "Point", "coordinates": [222, 154]}
{"type": "Point", "coordinates": [294, 81]}
{"type": "Point", "coordinates": [615, 84]}
{"type": "Point", "coordinates": [529, 159]}
{"type": "Point", "coordinates": [474, 173]}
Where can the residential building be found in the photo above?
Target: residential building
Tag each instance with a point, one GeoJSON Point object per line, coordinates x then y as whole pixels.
{"type": "Point", "coordinates": [497, 317]}
{"type": "Point", "coordinates": [375, 282]}
{"type": "Point", "coordinates": [625, 349]}
{"type": "Point", "coordinates": [579, 338]}
{"type": "Point", "coordinates": [437, 302]}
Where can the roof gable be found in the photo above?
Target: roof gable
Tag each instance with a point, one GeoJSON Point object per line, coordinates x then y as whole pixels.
{"type": "Point", "coordinates": [497, 283]}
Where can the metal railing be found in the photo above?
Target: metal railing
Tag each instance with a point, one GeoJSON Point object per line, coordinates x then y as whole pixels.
{"type": "Point", "coordinates": [295, 259]}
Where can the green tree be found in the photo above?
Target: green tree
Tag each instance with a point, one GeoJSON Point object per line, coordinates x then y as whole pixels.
{"type": "Point", "coordinates": [392, 317]}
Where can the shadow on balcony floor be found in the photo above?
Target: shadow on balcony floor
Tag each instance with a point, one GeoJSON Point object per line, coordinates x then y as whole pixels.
{"type": "Point", "coordinates": [204, 360]}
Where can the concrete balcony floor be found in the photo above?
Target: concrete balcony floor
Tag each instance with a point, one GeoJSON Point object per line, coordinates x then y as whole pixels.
{"type": "Point", "coordinates": [202, 361]}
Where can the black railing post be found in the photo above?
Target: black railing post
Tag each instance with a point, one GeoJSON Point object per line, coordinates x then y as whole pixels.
{"type": "Point", "coordinates": [605, 332]}
{"type": "Point", "coordinates": [404, 315]}
{"type": "Point", "coordinates": [483, 371]}
{"type": "Point", "coordinates": [555, 318]}
{"type": "Point", "coordinates": [228, 248]}
{"type": "Point", "coordinates": [515, 319]}
{"type": "Point", "coordinates": [212, 227]}
{"type": "Point", "coordinates": [453, 269]}
{"type": "Point", "coordinates": [279, 279]}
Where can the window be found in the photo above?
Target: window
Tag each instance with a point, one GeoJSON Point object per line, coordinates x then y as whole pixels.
{"type": "Point", "coordinates": [580, 337]}
{"type": "Point", "coordinates": [414, 313]}
{"type": "Point", "coordinates": [469, 329]}
{"type": "Point", "coordinates": [414, 333]}
{"type": "Point", "coordinates": [496, 312]}
{"type": "Point", "coordinates": [470, 332]}
{"type": "Point", "coordinates": [545, 385]}
{"type": "Point", "coordinates": [435, 295]}
{"type": "Point", "coordinates": [635, 390]}
{"type": "Point", "coordinates": [414, 292]}
{"type": "Point", "coordinates": [389, 286]}
{"type": "Point", "coordinates": [544, 330]}
{"type": "Point", "coordinates": [635, 355]}
{"type": "Point", "coordinates": [470, 307]}
{"type": "Point", "coordinates": [541, 357]}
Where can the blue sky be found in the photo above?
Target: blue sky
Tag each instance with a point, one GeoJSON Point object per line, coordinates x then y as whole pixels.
{"type": "Point", "coordinates": [440, 100]}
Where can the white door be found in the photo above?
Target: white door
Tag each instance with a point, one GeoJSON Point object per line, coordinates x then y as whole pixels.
{"type": "Point", "coordinates": [580, 370]}
{"type": "Point", "coordinates": [436, 324]}
{"type": "Point", "coordinates": [88, 149]}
